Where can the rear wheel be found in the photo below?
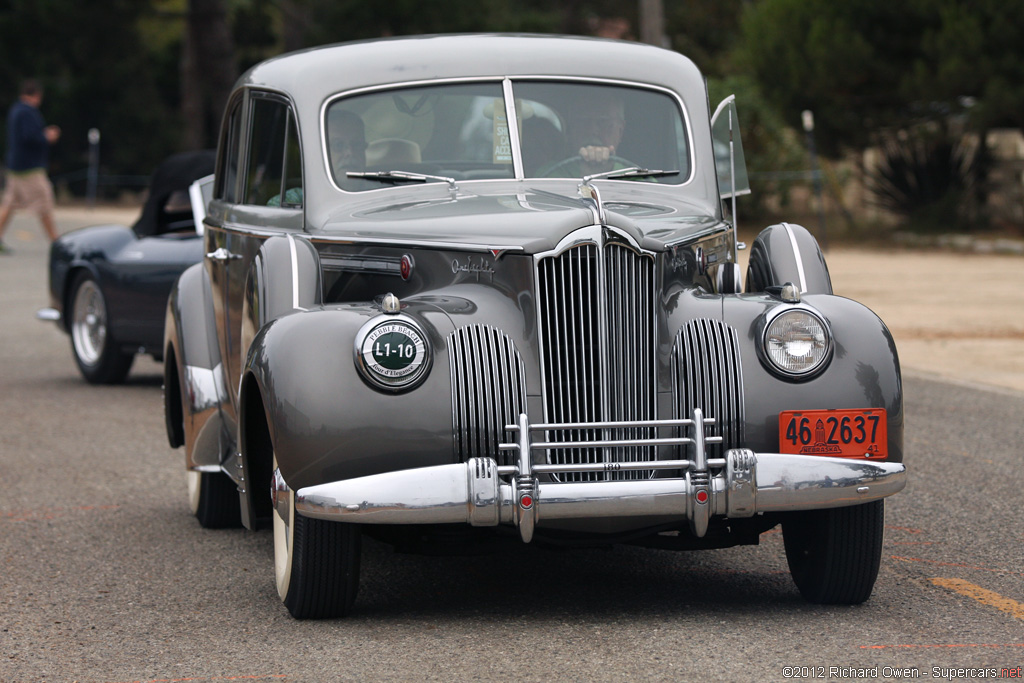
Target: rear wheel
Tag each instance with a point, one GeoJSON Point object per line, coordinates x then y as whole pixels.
{"type": "Point", "coordinates": [316, 562]}
{"type": "Point", "coordinates": [98, 357]}
{"type": "Point", "coordinates": [213, 498]}
{"type": "Point", "coordinates": [834, 554]}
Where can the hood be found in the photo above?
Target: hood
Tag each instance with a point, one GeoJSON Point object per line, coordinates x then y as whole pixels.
{"type": "Point", "coordinates": [526, 217]}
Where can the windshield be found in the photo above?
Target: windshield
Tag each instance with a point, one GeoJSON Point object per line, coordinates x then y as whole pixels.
{"type": "Point", "coordinates": [455, 132]}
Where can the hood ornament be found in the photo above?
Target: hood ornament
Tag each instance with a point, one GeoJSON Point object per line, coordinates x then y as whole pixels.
{"type": "Point", "coordinates": [590, 195]}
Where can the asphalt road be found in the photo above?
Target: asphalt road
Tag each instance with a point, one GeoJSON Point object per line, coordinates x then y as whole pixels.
{"type": "Point", "coordinates": [105, 577]}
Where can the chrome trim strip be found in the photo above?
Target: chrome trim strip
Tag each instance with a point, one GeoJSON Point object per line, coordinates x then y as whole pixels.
{"type": "Point", "coordinates": [295, 274]}
{"type": "Point", "coordinates": [798, 257]}
{"type": "Point", "coordinates": [512, 120]}
{"type": "Point", "coordinates": [378, 265]}
{"type": "Point", "coordinates": [697, 236]}
{"type": "Point", "coordinates": [614, 425]}
{"type": "Point", "coordinates": [425, 244]}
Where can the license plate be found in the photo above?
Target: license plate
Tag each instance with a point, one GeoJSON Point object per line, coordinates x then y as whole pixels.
{"type": "Point", "coordinates": [858, 433]}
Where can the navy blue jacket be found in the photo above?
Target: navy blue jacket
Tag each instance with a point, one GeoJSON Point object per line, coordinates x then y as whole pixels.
{"type": "Point", "coordinates": [27, 146]}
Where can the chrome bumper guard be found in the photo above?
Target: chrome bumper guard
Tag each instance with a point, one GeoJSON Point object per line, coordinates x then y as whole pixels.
{"type": "Point", "coordinates": [482, 493]}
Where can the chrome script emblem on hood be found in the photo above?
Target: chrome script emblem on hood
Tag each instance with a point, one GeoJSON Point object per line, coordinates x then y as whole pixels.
{"type": "Point", "coordinates": [471, 267]}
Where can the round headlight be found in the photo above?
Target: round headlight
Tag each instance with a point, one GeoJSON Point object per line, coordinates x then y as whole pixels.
{"type": "Point", "coordinates": [797, 342]}
{"type": "Point", "coordinates": [392, 353]}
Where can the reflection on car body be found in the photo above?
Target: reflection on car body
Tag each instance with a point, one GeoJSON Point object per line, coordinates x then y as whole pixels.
{"type": "Point", "coordinates": [464, 321]}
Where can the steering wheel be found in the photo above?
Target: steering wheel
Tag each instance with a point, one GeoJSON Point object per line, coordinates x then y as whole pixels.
{"type": "Point", "coordinates": [556, 170]}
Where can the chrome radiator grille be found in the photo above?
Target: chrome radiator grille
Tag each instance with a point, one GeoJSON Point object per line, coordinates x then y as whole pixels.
{"type": "Point", "coordinates": [596, 311]}
{"type": "Point", "coordinates": [706, 374]}
{"type": "Point", "coordinates": [488, 391]}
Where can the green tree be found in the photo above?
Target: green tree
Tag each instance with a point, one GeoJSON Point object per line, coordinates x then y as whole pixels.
{"type": "Point", "coordinates": [845, 61]}
{"type": "Point", "coordinates": [97, 74]}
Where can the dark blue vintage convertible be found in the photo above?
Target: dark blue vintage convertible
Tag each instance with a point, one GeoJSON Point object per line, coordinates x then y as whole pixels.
{"type": "Point", "coordinates": [109, 283]}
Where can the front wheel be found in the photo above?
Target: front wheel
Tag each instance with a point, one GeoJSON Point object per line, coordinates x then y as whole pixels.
{"type": "Point", "coordinates": [316, 562]}
{"type": "Point", "coordinates": [834, 554]}
{"type": "Point", "coordinates": [98, 357]}
{"type": "Point", "coordinates": [213, 499]}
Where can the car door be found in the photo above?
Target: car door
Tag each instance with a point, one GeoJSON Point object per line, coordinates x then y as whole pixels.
{"type": "Point", "coordinates": [268, 191]}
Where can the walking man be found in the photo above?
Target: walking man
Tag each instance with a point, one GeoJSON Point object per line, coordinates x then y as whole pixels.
{"type": "Point", "coordinates": [28, 151]}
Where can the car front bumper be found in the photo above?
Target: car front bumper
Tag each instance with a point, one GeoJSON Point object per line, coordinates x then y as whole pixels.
{"type": "Point", "coordinates": [482, 493]}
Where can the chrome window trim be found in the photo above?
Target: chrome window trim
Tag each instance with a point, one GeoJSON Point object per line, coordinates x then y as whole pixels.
{"type": "Point", "coordinates": [512, 118]}
{"type": "Point", "coordinates": [507, 83]}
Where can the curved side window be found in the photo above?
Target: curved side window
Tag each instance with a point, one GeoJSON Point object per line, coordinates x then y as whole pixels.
{"type": "Point", "coordinates": [227, 164]}
{"type": "Point", "coordinates": [273, 175]}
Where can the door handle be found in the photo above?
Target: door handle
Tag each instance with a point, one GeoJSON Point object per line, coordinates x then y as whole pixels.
{"type": "Point", "coordinates": [222, 254]}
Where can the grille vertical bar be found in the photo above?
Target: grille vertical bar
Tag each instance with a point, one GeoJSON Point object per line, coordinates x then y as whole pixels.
{"type": "Point", "coordinates": [597, 349]}
{"type": "Point", "coordinates": [706, 374]}
{"type": "Point", "coordinates": [488, 391]}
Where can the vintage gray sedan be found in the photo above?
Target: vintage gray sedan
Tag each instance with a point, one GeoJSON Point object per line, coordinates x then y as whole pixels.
{"type": "Point", "coordinates": [466, 288]}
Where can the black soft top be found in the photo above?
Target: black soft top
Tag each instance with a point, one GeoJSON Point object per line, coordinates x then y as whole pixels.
{"type": "Point", "coordinates": [167, 208]}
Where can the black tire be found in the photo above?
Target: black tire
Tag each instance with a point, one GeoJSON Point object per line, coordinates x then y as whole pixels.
{"type": "Point", "coordinates": [97, 354]}
{"type": "Point", "coordinates": [214, 500]}
{"type": "Point", "coordinates": [316, 562]}
{"type": "Point", "coordinates": [834, 554]}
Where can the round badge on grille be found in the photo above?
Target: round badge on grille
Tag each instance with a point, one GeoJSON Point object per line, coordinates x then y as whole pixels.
{"type": "Point", "coordinates": [392, 353]}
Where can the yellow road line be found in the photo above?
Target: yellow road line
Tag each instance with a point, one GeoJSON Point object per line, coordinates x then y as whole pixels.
{"type": "Point", "coordinates": [982, 595]}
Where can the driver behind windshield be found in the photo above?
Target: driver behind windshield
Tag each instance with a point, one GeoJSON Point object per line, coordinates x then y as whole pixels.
{"type": "Point", "coordinates": [595, 130]}
{"type": "Point", "coordinates": [347, 140]}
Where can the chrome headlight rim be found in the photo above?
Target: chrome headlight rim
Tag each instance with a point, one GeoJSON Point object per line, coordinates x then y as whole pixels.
{"type": "Point", "coordinates": [772, 365]}
{"type": "Point", "coordinates": [376, 373]}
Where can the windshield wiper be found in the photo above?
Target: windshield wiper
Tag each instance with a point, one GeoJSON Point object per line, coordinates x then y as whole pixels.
{"type": "Point", "coordinates": [631, 172]}
{"type": "Point", "coordinates": [402, 176]}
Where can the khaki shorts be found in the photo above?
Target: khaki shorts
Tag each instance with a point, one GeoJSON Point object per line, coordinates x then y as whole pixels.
{"type": "Point", "coordinates": [31, 190]}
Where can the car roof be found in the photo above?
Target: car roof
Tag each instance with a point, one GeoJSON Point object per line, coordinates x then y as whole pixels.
{"type": "Point", "coordinates": [317, 73]}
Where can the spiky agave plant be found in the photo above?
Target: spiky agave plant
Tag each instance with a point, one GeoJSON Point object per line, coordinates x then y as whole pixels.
{"type": "Point", "coordinates": [927, 179]}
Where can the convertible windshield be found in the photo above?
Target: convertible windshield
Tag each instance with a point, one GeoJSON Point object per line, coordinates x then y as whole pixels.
{"type": "Point", "coordinates": [460, 132]}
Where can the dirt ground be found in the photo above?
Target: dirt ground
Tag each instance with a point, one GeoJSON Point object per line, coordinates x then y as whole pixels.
{"type": "Point", "coordinates": [955, 315]}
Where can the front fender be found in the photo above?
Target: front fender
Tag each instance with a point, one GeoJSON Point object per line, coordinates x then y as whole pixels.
{"type": "Point", "coordinates": [78, 250]}
{"type": "Point", "coordinates": [864, 371]}
{"type": "Point", "coordinates": [284, 278]}
{"type": "Point", "coordinates": [324, 421]}
{"type": "Point", "coordinates": [192, 369]}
